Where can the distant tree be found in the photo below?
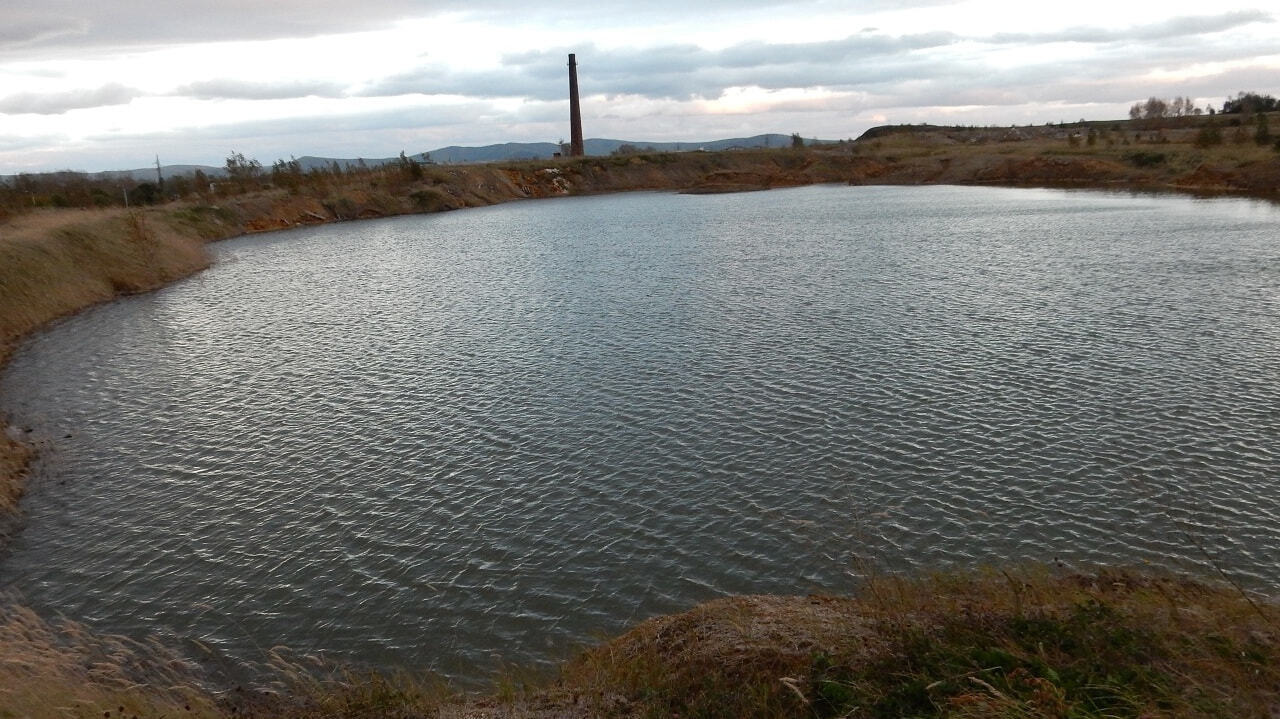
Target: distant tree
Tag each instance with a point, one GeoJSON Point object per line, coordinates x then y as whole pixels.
{"type": "Point", "coordinates": [145, 193]}
{"type": "Point", "coordinates": [1135, 112]}
{"type": "Point", "coordinates": [1155, 108]}
{"type": "Point", "coordinates": [1247, 103]}
{"type": "Point", "coordinates": [409, 167]}
{"type": "Point", "coordinates": [239, 168]}
{"type": "Point", "coordinates": [287, 174]}
{"type": "Point", "coordinates": [796, 140]}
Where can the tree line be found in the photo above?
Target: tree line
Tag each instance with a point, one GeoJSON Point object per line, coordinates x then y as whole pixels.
{"type": "Point", "coordinates": [1244, 103]}
{"type": "Point", "coordinates": [239, 174]}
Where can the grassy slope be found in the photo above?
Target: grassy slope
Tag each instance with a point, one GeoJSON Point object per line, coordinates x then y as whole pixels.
{"type": "Point", "coordinates": [1027, 643]}
{"type": "Point", "coordinates": [1024, 644]}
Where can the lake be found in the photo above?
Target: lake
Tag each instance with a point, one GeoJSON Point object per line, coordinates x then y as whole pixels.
{"type": "Point", "coordinates": [448, 440]}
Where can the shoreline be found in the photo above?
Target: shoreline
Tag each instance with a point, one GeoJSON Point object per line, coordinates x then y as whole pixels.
{"type": "Point", "coordinates": [1025, 641]}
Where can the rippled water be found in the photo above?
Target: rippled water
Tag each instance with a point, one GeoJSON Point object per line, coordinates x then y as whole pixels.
{"type": "Point", "coordinates": [439, 440]}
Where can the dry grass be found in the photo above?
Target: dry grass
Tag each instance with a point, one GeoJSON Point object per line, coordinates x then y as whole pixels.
{"type": "Point", "coordinates": [60, 670]}
{"type": "Point", "coordinates": [57, 263]}
{"type": "Point", "coordinates": [1030, 644]}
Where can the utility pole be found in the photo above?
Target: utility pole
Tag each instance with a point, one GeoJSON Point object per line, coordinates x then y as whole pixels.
{"type": "Point", "coordinates": [159, 177]}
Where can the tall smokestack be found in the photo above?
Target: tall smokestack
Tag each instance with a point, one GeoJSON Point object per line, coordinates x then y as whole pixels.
{"type": "Point", "coordinates": [575, 112]}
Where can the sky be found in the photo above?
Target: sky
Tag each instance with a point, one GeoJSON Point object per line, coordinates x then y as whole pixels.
{"type": "Point", "coordinates": [112, 84]}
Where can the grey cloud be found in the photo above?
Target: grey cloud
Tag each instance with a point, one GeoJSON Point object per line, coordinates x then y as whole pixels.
{"type": "Point", "coordinates": [249, 90]}
{"type": "Point", "coordinates": [1082, 82]}
{"type": "Point", "coordinates": [374, 134]}
{"type": "Point", "coordinates": [57, 103]}
{"type": "Point", "coordinates": [56, 24]}
{"type": "Point", "coordinates": [622, 12]}
{"type": "Point", "coordinates": [61, 24]}
{"type": "Point", "coordinates": [681, 71]}
{"type": "Point", "coordinates": [437, 80]}
{"type": "Point", "coordinates": [397, 119]}
{"type": "Point", "coordinates": [1164, 30]}
{"type": "Point", "coordinates": [853, 48]}
{"type": "Point", "coordinates": [24, 31]}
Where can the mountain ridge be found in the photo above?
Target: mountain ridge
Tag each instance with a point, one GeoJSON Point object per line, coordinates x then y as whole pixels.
{"type": "Point", "coordinates": [450, 155]}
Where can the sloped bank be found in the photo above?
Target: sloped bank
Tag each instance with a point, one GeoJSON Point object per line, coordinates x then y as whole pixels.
{"type": "Point", "coordinates": [1030, 642]}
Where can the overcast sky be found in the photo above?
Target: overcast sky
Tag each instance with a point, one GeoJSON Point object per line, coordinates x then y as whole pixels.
{"type": "Point", "coordinates": [110, 84]}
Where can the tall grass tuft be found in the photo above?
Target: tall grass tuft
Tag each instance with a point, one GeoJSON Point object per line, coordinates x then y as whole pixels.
{"type": "Point", "coordinates": [60, 669]}
{"type": "Point", "coordinates": [1000, 644]}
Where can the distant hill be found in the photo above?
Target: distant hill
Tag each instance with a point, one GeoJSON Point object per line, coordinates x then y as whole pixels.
{"type": "Point", "coordinates": [507, 151]}
{"type": "Point", "coordinates": [594, 146]}
{"type": "Point", "coordinates": [455, 154]}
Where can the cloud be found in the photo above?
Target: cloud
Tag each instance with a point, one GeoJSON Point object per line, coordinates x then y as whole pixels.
{"type": "Point", "coordinates": [1177, 27]}
{"type": "Point", "coordinates": [57, 103]}
{"type": "Point", "coordinates": [439, 80]}
{"type": "Point", "coordinates": [234, 89]}
{"type": "Point", "coordinates": [25, 31]}
{"type": "Point", "coordinates": [58, 25]}
{"type": "Point", "coordinates": [919, 67]}
{"type": "Point", "coordinates": [679, 71]}
{"type": "Point", "coordinates": [63, 23]}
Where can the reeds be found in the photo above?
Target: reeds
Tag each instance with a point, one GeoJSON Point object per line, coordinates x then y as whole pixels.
{"type": "Point", "coordinates": [60, 669]}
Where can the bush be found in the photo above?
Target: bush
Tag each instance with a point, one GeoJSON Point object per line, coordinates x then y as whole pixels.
{"type": "Point", "coordinates": [1145, 159]}
{"type": "Point", "coordinates": [1208, 136]}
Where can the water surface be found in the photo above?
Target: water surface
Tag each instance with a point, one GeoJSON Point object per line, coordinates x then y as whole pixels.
{"type": "Point", "coordinates": [438, 440]}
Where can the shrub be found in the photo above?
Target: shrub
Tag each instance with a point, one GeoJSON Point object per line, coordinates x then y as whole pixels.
{"type": "Point", "coordinates": [1145, 159]}
{"type": "Point", "coordinates": [1208, 136]}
